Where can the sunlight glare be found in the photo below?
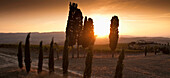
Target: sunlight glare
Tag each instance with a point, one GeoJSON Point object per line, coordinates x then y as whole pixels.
{"type": "Point", "coordinates": [101, 26]}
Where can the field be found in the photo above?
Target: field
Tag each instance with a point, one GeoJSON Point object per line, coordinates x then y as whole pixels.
{"type": "Point", "coordinates": [135, 64]}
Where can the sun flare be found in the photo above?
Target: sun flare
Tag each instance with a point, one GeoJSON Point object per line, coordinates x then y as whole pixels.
{"type": "Point", "coordinates": [101, 26]}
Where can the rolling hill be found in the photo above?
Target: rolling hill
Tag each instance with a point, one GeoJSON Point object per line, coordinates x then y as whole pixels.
{"type": "Point", "coordinates": [59, 37]}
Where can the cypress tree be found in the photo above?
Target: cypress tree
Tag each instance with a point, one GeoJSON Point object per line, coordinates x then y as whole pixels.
{"type": "Point", "coordinates": [20, 61]}
{"type": "Point", "coordinates": [71, 27]}
{"type": "Point", "coordinates": [57, 50]}
{"type": "Point", "coordinates": [91, 38]}
{"type": "Point", "coordinates": [85, 33]}
{"type": "Point", "coordinates": [78, 28]}
{"type": "Point", "coordinates": [51, 58]}
{"type": "Point", "coordinates": [83, 36]}
{"type": "Point", "coordinates": [40, 63]}
{"type": "Point", "coordinates": [70, 36]}
{"type": "Point", "coordinates": [27, 53]}
{"type": "Point", "coordinates": [65, 57]}
{"type": "Point", "coordinates": [146, 50]}
{"type": "Point", "coordinates": [114, 33]}
{"type": "Point", "coordinates": [119, 67]}
{"type": "Point", "coordinates": [155, 50]}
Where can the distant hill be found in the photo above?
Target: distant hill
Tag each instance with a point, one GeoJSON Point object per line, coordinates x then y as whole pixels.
{"type": "Point", "coordinates": [15, 38]}
{"type": "Point", "coordinates": [59, 37]}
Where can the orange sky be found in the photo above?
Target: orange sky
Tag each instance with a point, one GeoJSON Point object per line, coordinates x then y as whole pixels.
{"type": "Point", "coordinates": [137, 17]}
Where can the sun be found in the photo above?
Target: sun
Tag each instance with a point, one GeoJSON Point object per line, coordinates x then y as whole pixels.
{"type": "Point", "coordinates": [101, 26]}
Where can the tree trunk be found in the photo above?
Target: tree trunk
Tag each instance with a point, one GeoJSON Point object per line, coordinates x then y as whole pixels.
{"type": "Point", "coordinates": [84, 52]}
{"type": "Point", "coordinates": [88, 64]}
{"type": "Point", "coordinates": [119, 67]}
{"type": "Point", "coordinates": [113, 54]}
{"type": "Point", "coordinates": [77, 51]}
{"type": "Point", "coordinates": [72, 49]}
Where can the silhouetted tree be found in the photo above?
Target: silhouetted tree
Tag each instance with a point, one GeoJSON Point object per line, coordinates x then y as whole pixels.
{"type": "Point", "coordinates": [65, 57]}
{"type": "Point", "coordinates": [114, 33]}
{"type": "Point", "coordinates": [119, 67]}
{"type": "Point", "coordinates": [146, 50]}
{"type": "Point", "coordinates": [57, 51]}
{"type": "Point", "coordinates": [51, 58]}
{"type": "Point", "coordinates": [27, 53]}
{"type": "Point", "coordinates": [83, 41]}
{"type": "Point", "coordinates": [71, 27]}
{"type": "Point", "coordinates": [78, 28]}
{"type": "Point", "coordinates": [85, 38]}
{"type": "Point", "coordinates": [20, 61]}
{"type": "Point", "coordinates": [70, 36]}
{"type": "Point", "coordinates": [91, 38]}
{"type": "Point", "coordinates": [40, 63]}
{"type": "Point", "coordinates": [155, 50]}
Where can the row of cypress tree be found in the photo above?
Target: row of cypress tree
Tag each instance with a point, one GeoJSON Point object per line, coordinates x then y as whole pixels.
{"type": "Point", "coordinates": [27, 58]}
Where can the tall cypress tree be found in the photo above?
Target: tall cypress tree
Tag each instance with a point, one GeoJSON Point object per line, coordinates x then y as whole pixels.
{"type": "Point", "coordinates": [20, 61]}
{"type": "Point", "coordinates": [70, 36]}
{"type": "Point", "coordinates": [114, 33]}
{"type": "Point", "coordinates": [89, 43]}
{"type": "Point", "coordinates": [40, 63]}
{"type": "Point", "coordinates": [27, 53]}
{"type": "Point", "coordinates": [71, 27]}
{"type": "Point", "coordinates": [51, 58]}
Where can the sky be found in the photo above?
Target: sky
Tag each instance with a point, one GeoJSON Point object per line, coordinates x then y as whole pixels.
{"type": "Point", "coordinates": [137, 17]}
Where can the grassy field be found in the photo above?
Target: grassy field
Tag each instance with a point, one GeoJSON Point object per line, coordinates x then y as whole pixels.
{"type": "Point", "coordinates": [97, 48]}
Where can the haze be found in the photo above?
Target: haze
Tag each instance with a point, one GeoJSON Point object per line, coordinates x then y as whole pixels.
{"type": "Point", "coordinates": [137, 17]}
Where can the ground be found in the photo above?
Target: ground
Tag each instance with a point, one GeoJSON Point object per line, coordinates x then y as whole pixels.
{"type": "Point", "coordinates": [136, 65]}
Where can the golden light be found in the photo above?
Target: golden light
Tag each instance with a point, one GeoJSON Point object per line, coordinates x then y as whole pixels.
{"type": "Point", "coordinates": [101, 25]}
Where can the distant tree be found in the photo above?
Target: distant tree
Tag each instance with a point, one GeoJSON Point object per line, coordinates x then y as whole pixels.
{"type": "Point", "coordinates": [90, 42]}
{"type": "Point", "coordinates": [114, 33]}
{"type": "Point", "coordinates": [51, 57]}
{"type": "Point", "coordinates": [40, 63]}
{"type": "Point", "coordinates": [119, 67]}
{"type": "Point", "coordinates": [155, 49]}
{"type": "Point", "coordinates": [57, 50]}
{"type": "Point", "coordinates": [146, 50]}
{"type": "Point", "coordinates": [27, 53]}
{"type": "Point", "coordinates": [20, 61]}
